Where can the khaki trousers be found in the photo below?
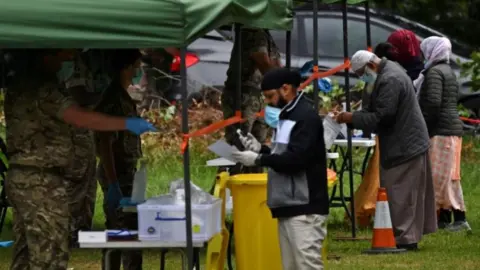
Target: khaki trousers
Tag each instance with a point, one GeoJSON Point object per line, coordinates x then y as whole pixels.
{"type": "Point", "coordinates": [301, 239]}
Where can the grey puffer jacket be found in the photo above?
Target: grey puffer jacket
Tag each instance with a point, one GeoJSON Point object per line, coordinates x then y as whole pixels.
{"type": "Point", "coordinates": [438, 101]}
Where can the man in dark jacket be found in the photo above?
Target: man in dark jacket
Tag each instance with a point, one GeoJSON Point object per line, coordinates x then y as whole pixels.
{"type": "Point", "coordinates": [405, 170]}
{"type": "Point", "coordinates": [297, 170]}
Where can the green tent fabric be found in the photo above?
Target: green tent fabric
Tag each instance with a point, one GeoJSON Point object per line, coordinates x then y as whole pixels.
{"type": "Point", "coordinates": [129, 23]}
{"type": "Point", "coordinates": [350, 2]}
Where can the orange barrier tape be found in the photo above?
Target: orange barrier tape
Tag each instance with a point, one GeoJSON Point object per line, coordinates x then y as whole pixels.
{"type": "Point", "coordinates": [238, 117]}
{"type": "Point", "coordinates": [473, 121]}
{"type": "Point", "coordinates": [214, 127]}
{"type": "Point", "coordinates": [319, 75]}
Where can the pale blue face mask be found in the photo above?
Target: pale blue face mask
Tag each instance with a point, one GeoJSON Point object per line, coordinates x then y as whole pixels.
{"type": "Point", "coordinates": [138, 76]}
{"type": "Point", "coordinates": [66, 71]}
{"type": "Point", "coordinates": [272, 116]}
{"type": "Point", "coordinates": [369, 76]}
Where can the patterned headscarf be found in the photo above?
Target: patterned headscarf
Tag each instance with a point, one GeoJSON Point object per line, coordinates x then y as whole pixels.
{"type": "Point", "coordinates": [406, 46]}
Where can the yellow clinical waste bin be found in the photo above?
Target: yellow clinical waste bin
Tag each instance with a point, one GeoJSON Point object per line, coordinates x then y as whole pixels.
{"type": "Point", "coordinates": [256, 232]}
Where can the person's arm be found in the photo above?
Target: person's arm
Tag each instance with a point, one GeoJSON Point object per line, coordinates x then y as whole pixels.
{"type": "Point", "coordinates": [106, 155]}
{"type": "Point", "coordinates": [62, 106]}
{"type": "Point", "coordinates": [431, 96]}
{"type": "Point", "coordinates": [301, 149]}
{"type": "Point", "coordinates": [386, 103]}
{"type": "Point", "coordinates": [265, 150]}
{"type": "Point", "coordinates": [79, 117]}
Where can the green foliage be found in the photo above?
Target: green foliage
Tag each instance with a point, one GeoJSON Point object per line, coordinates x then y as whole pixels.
{"type": "Point", "coordinates": [472, 69]}
{"type": "Point", "coordinates": [336, 96]}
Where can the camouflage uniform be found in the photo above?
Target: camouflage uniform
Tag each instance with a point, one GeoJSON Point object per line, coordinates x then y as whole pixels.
{"type": "Point", "coordinates": [126, 148]}
{"type": "Point", "coordinates": [40, 148]}
{"type": "Point", "coordinates": [82, 185]}
{"type": "Point", "coordinates": [253, 40]}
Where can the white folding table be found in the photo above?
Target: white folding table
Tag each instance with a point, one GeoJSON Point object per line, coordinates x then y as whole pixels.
{"type": "Point", "coordinates": [112, 245]}
{"type": "Point", "coordinates": [340, 145]}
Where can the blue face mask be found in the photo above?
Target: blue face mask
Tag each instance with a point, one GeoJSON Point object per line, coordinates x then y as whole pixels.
{"type": "Point", "coordinates": [272, 116]}
{"type": "Point", "coordinates": [66, 71]}
{"type": "Point", "coordinates": [138, 76]}
{"type": "Point", "coordinates": [369, 76]}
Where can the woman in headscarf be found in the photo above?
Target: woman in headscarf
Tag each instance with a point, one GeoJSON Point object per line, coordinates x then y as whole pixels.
{"type": "Point", "coordinates": [437, 90]}
{"type": "Point", "coordinates": [405, 50]}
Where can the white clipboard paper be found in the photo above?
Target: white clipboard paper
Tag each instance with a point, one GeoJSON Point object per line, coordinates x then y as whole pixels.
{"type": "Point", "coordinates": [331, 129]}
{"type": "Point", "coordinates": [223, 149]}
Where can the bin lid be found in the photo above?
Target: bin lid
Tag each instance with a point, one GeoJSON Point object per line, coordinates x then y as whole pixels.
{"type": "Point", "coordinates": [248, 179]}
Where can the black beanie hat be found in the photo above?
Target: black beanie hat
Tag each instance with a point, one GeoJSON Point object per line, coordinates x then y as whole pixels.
{"type": "Point", "coordinates": [275, 78]}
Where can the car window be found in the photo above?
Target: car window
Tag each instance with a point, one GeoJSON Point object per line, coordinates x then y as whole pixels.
{"type": "Point", "coordinates": [330, 36]}
{"type": "Point", "coordinates": [280, 38]}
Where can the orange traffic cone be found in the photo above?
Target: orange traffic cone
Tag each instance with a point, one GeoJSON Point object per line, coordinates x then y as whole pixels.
{"type": "Point", "coordinates": [383, 240]}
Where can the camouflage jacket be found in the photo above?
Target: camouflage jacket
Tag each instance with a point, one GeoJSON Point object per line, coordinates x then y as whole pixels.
{"type": "Point", "coordinates": [36, 133]}
{"type": "Point", "coordinates": [81, 86]}
{"type": "Point", "coordinates": [253, 40]}
{"type": "Point", "coordinates": [126, 145]}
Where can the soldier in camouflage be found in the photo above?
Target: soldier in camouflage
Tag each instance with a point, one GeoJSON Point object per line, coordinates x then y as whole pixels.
{"type": "Point", "coordinates": [86, 86]}
{"type": "Point", "coordinates": [119, 153]}
{"type": "Point", "coordinates": [259, 54]}
{"type": "Point", "coordinates": [38, 114]}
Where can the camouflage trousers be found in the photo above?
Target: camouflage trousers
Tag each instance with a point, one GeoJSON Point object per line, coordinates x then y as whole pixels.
{"type": "Point", "coordinates": [82, 194]}
{"type": "Point", "coordinates": [131, 259]}
{"type": "Point", "coordinates": [40, 218]}
{"type": "Point", "coordinates": [251, 103]}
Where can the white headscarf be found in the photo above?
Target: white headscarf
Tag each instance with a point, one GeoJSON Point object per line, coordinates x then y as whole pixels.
{"type": "Point", "coordinates": [434, 49]}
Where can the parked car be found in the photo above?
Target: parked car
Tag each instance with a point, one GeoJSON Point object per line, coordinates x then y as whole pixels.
{"type": "Point", "coordinates": [214, 49]}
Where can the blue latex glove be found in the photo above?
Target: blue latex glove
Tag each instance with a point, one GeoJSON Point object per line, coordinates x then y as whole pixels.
{"type": "Point", "coordinates": [138, 125]}
{"type": "Point", "coordinates": [114, 196]}
{"type": "Point", "coordinates": [5, 244]}
{"type": "Point", "coordinates": [127, 202]}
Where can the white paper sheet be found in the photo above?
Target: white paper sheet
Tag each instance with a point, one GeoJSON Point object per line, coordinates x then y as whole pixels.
{"type": "Point", "coordinates": [331, 130]}
{"type": "Point", "coordinates": [223, 149]}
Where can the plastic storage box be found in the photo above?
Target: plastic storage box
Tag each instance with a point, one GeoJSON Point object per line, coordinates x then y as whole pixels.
{"type": "Point", "coordinates": [167, 223]}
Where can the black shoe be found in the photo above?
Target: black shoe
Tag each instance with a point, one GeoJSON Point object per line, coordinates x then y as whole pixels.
{"type": "Point", "coordinates": [443, 225]}
{"type": "Point", "coordinates": [409, 247]}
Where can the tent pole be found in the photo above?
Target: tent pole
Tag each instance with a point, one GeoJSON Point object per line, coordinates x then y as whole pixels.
{"type": "Point", "coordinates": [367, 19]}
{"type": "Point", "coordinates": [238, 55]}
{"type": "Point", "coordinates": [288, 49]}
{"type": "Point", "coordinates": [186, 159]}
{"type": "Point", "coordinates": [315, 52]}
{"type": "Point", "coordinates": [349, 133]}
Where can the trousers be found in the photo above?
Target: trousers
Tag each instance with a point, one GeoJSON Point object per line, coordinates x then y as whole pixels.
{"type": "Point", "coordinates": [40, 218]}
{"type": "Point", "coordinates": [301, 240]}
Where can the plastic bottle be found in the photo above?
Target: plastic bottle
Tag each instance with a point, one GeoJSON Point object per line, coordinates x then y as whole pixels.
{"type": "Point", "coordinates": [139, 185]}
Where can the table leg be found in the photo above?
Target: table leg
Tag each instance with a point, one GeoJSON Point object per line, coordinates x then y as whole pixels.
{"type": "Point", "coordinates": [162, 258]}
{"type": "Point", "coordinates": [107, 259]}
{"type": "Point", "coordinates": [196, 257]}
{"type": "Point", "coordinates": [229, 249]}
{"type": "Point", "coordinates": [184, 259]}
{"type": "Point", "coordinates": [365, 160]}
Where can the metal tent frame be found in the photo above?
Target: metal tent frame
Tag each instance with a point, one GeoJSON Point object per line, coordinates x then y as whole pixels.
{"type": "Point", "coordinates": [350, 212]}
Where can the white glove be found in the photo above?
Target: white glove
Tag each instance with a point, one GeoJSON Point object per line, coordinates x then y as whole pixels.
{"type": "Point", "coordinates": [247, 158]}
{"type": "Point", "coordinates": [249, 142]}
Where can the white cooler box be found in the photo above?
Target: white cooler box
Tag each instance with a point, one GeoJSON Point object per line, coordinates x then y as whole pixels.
{"type": "Point", "coordinates": [166, 223]}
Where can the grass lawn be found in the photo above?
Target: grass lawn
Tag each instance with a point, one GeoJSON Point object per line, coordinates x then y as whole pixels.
{"type": "Point", "coordinates": [438, 251]}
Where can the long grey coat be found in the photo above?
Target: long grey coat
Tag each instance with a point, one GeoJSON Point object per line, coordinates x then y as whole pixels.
{"type": "Point", "coordinates": [394, 114]}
